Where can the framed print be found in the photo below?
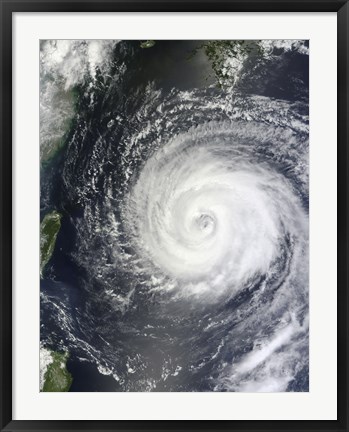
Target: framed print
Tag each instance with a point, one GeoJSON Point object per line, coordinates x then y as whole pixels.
{"type": "Point", "coordinates": [174, 215]}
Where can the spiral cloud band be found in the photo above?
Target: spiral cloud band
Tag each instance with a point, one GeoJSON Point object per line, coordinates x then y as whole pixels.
{"type": "Point", "coordinates": [208, 231]}
{"type": "Point", "coordinates": [211, 217]}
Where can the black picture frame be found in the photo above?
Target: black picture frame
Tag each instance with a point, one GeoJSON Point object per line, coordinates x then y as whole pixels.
{"type": "Point", "coordinates": [7, 8]}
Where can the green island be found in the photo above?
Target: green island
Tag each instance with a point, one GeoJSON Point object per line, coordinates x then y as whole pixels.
{"type": "Point", "coordinates": [49, 229]}
{"type": "Point", "coordinates": [147, 44]}
{"type": "Point", "coordinates": [57, 378]}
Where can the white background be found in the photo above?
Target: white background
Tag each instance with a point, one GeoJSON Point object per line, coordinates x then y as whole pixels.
{"type": "Point", "coordinates": [320, 402]}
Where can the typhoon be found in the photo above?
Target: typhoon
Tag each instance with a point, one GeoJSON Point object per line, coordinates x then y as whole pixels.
{"type": "Point", "coordinates": [181, 262]}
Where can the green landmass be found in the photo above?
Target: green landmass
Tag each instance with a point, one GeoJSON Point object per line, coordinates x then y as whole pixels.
{"type": "Point", "coordinates": [147, 44]}
{"type": "Point", "coordinates": [49, 229]}
{"type": "Point", "coordinates": [57, 378]}
{"type": "Point", "coordinates": [219, 51]}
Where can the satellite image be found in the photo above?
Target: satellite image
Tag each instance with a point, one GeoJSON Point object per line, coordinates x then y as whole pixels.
{"type": "Point", "coordinates": [174, 204]}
